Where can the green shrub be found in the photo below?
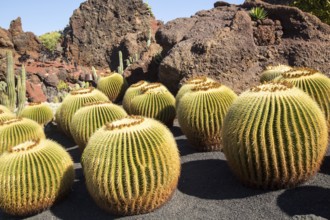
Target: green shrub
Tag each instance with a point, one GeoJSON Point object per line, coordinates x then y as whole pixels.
{"type": "Point", "coordinates": [319, 8]}
{"type": "Point", "coordinates": [50, 39]}
{"type": "Point", "coordinates": [258, 13]}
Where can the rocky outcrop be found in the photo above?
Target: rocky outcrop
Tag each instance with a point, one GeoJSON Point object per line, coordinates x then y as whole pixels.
{"type": "Point", "coordinates": [225, 44]}
{"type": "Point", "coordinates": [100, 28]}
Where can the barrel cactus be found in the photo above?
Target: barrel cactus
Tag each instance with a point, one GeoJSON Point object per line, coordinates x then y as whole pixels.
{"type": "Point", "coordinates": [272, 72]}
{"type": "Point", "coordinates": [34, 174]}
{"type": "Point", "coordinates": [155, 101]}
{"type": "Point", "coordinates": [91, 117]}
{"type": "Point", "coordinates": [4, 116]}
{"type": "Point", "coordinates": [15, 131]}
{"type": "Point", "coordinates": [189, 84]}
{"type": "Point", "coordinates": [201, 112]}
{"type": "Point", "coordinates": [4, 109]}
{"type": "Point", "coordinates": [314, 83]}
{"type": "Point", "coordinates": [72, 102]}
{"type": "Point", "coordinates": [131, 92]}
{"type": "Point", "coordinates": [274, 136]}
{"type": "Point", "coordinates": [131, 165]}
{"type": "Point", "coordinates": [113, 85]}
{"type": "Point", "coordinates": [39, 112]}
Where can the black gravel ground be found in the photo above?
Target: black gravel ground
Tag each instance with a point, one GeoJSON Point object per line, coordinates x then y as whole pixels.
{"type": "Point", "coordinates": [207, 190]}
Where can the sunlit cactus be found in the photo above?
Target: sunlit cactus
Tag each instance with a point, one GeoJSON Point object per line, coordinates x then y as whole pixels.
{"type": "Point", "coordinates": [271, 72]}
{"type": "Point", "coordinates": [155, 101]}
{"type": "Point", "coordinates": [39, 112]}
{"type": "Point", "coordinates": [15, 131]}
{"type": "Point", "coordinates": [4, 116]}
{"type": "Point", "coordinates": [91, 117]}
{"type": "Point", "coordinates": [131, 92]}
{"type": "Point", "coordinates": [113, 85]}
{"type": "Point", "coordinates": [131, 166]}
{"type": "Point", "coordinates": [201, 112]}
{"type": "Point", "coordinates": [314, 83]}
{"type": "Point", "coordinates": [34, 174]}
{"type": "Point", "coordinates": [72, 102]}
{"type": "Point", "coordinates": [274, 136]}
{"type": "Point", "coordinates": [5, 109]}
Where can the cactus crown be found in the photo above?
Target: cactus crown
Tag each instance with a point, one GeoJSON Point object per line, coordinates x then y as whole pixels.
{"type": "Point", "coordinates": [272, 87]}
{"type": "Point", "coordinates": [206, 86]}
{"type": "Point", "coordinates": [299, 72]}
{"type": "Point", "coordinates": [82, 91]}
{"type": "Point", "coordinates": [34, 103]}
{"type": "Point", "coordinates": [278, 67]}
{"type": "Point", "coordinates": [196, 80]}
{"type": "Point", "coordinates": [127, 122]}
{"type": "Point", "coordinates": [138, 84]}
{"type": "Point", "coordinates": [153, 88]}
{"type": "Point", "coordinates": [1, 111]}
{"type": "Point", "coordinates": [24, 146]}
{"type": "Point", "coordinates": [97, 103]}
{"type": "Point", "coordinates": [10, 121]}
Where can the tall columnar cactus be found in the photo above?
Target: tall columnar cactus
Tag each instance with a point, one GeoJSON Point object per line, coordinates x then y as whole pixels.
{"type": "Point", "coordinates": [201, 112]}
{"type": "Point", "coordinates": [4, 116]}
{"type": "Point", "coordinates": [189, 84]}
{"type": "Point", "coordinates": [72, 102]}
{"type": "Point", "coordinates": [15, 131]}
{"type": "Point", "coordinates": [131, 92]}
{"type": "Point", "coordinates": [113, 85]}
{"type": "Point", "coordinates": [314, 83]}
{"type": "Point", "coordinates": [21, 90]}
{"type": "Point", "coordinates": [274, 136]}
{"type": "Point", "coordinates": [34, 174]}
{"type": "Point", "coordinates": [271, 72]}
{"type": "Point", "coordinates": [39, 112]}
{"type": "Point", "coordinates": [10, 79]}
{"type": "Point", "coordinates": [131, 165]}
{"type": "Point", "coordinates": [91, 117]}
{"type": "Point", "coordinates": [156, 102]}
{"type": "Point", "coordinates": [121, 63]}
{"type": "Point", "coordinates": [95, 76]}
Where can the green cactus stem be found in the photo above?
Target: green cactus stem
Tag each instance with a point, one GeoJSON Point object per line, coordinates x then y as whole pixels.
{"type": "Point", "coordinates": [21, 90]}
{"type": "Point", "coordinates": [121, 63]}
{"type": "Point", "coordinates": [15, 131]}
{"type": "Point", "coordinates": [272, 72]}
{"type": "Point", "coordinates": [274, 136]}
{"type": "Point", "coordinates": [131, 92]}
{"type": "Point", "coordinates": [155, 101]}
{"type": "Point", "coordinates": [34, 174]}
{"type": "Point", "coordinates": [201, 112]}
{"type": "Point", "coordinates": [132, 165]}
{"type": "Point", "coordinates": [91, 117]}
{"type": "Point", "coordinates": [10, 79]}
{"type": "Point", "coordinates": [39, 112]}
{"type": "Point", "coordinates": [114, 86]}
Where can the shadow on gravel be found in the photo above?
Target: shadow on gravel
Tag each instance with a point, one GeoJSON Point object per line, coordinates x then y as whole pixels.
{"type": "Point", "coordinates": [212, 179]}
{"type": "Point", "coordinates": [176, 131]}
{"type": "Point", "coordinates": [306, 200]}
{"type": "Point", "coordinates": [325, 168]}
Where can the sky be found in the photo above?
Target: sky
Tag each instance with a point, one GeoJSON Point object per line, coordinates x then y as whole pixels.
{"type": "Point", "coordinates": [42, 16]}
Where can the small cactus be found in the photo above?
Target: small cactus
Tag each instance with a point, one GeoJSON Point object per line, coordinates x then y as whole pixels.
{"type": "Point", "coordinates": [72, 102]}
{"type": "Point", "coordinates": [274, 136]}
{"type": "Point", "coordinates": [91, 117]}
{"type": "Point", "coordinates": [314, 83]}
{"type": "Point", "coordinates": [155, 101]}
{"type": "Point", "coordinates": [34, 174]}
{"type": "Point", "coordinates": [201, 113]}
{"type": "Point", "coordinates": [131, 92]}
{"type": "Point", "coordinates": [4, 116]}
{"type": "Point", "coordinates": [132, 165]}
{"type": "Point", "coordinates": [271, 72]}
{"type": "Point", "coordinates": [39, 112]}
{"type": "Point", "coordinates": [15, 131]}
{"type": "Point", "coordinates": [113, 85]}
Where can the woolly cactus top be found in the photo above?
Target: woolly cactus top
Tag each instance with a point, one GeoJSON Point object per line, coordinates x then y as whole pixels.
{"type": "Point", "coordinates": [196, 80]}
{"type": "Point", "coordinates": [127, 123]}
{"type": "Point", "coordinates": [206, 86]}
{"type": "Point", "coordinates": [34, 103]}
{"type": "Point", "coordinates": [299, 72]}
{"type": "Point", "coordinates": [10, 121]}
{"type": "Point", "coordinates": [279, 67]}
{"type": "Point", "coordinates": [26, 146]}
{"type": "Point", "coordinates": [272, 87]}
{"type": "Point", "coordinates": [82, 91]}
{"type": "Point", "coordinates": [97, 103]}
{"type": "Point", "coordinates": [139, 84]}
{"type": "Point", "coordinates": [153, 88]}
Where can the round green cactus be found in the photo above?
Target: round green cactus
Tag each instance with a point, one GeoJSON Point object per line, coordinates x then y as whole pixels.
{"type": "Point", "coordinates": [272, 72]}
{"type": "Point", "coordinates": [39, 112]}
{"type": "Point", "coordinates": [201, 112]}
{"type": "Point", "coordinates": [15, 131]}
{"type": "Point", "coordinates": [274, 136]}
{"type": "Point", "coordinates": [72, 102]}
{"type": "Point", "coordinates": [4, 109]}
{"type": "Point", "coordinates": [314, 83]}
{"type": "Point", "coordinates": [189, 84]}
{"type": "Point", "coordinates": [155, 101]}
{"type": "Point", "coordinates": [113, 85]}
{"type": "Point", "coordinates": [132, 165]}
{"type": "Point", "coordinates": [131, 92]}
{"type": "Point", "coordinates": [34, 174]}
{"type": "Point", "coordinates": [4, 116]}
{"type": "Point", "coordinates": [91, 117]}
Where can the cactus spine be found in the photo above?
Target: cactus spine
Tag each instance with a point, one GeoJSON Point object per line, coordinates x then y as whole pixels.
{"type": "Point", "coordinates": [39, 112]}
{"type": "Point", "coordinates": [274, 136]}
{"type": "Point", "coordinates": [11, 81]}
{"type": "Point", "coordinates": [15, 131]}
{"type": "Point", "coordinates": [114, 86]}
{"type": "Point", "coordinates": [155, 101]}
{"type": "Point", "coordinates": [201, 112]}
{"type": "Point", "coordinates": [131, 165]}
{"type": "Point", "coordinates": [34, 174]}
{"type": "Point", "coordinates": [272, 72]}
{"type": "Point", "coordinates": [91, 117]}
{"type": "Point", "coordinates": [131, 92]}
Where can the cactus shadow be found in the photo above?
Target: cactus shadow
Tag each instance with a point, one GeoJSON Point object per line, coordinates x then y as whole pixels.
{"type": "Point", "coordinates": [305, 200]}
{"type": "Point", "coordinates": [213, 180]}
{"type": "Point", "coordinates": [325, 167]}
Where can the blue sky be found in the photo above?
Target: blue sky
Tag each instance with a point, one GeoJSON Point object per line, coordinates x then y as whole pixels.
{"type": "Point", "coordinates": [41, 16]}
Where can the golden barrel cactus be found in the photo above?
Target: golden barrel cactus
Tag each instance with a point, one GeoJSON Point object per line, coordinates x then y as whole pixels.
{"type": "Point", "coordinates": [113, 85]}
{"type": "Point", "coordinates": [132, 165]}
{"type": "Point", "coordinates": [131, 92]}
{"type": "Point", "coordinates": [4, 116]}
{"type": "Point", "coordinates": [274, 136]}
{"type": "Point", "coordinates": [201, 112]}
{"type": "Point", "coordinates": [271, 72]}
{"type": "Point", "coordinates": [91, 117]}
{"type": "Point", "coordinates": [155, 101]}
{"type": "Point", "coordinates": [72, 102]}
{"type": "Point", "coordinates": [4, 109]}
{"type": "Point", "coordinates": [34, 174]}
{"type": "Point", "coordinates": [39, 112]}
{"type": "Point", "coordinates": [15, 131]}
